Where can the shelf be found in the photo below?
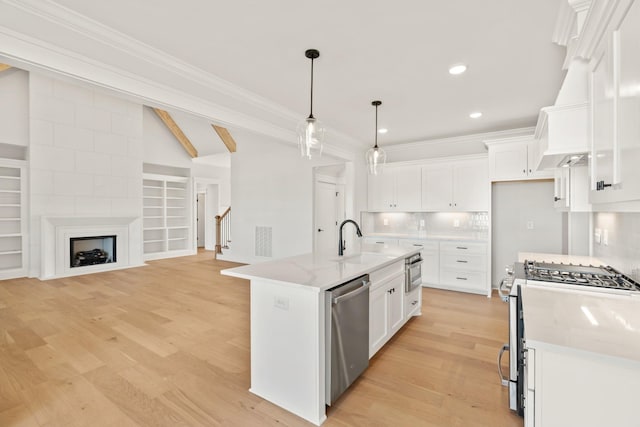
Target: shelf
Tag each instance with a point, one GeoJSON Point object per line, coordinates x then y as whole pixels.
{"type": "Point", "coordinates": [152, 217]}
{"type": "Point", "coordinates": [175, 198]}
{"type": "Point", "coordinates": [9, 205]}
{"type": "Point", "coordinates": [153, 228]}
{"type": "Point", "coordinates": [17, 178]}
{"type": "Point", "coordinates": [177, 238]}
{"type": "Point", "coordinates": [10, 191]}
{"type": "Point", "coordinates": [178, 227]}
{"type": "Point", "coordinates": [154, 241]}
{"type": "Point", "coordinates": [10, 219]}
{"type": "Point", "coordinates": [176, 207]}
{"type": "Point", "coordinates": [152, 186]}
{"type": "Point", "coordinates": [10, 252]}
{"type": "Point", "coordinates": [11, 235]}
{"type": "Point", "coordinates": [153, 197]}
{"type": "Point", "coordinates": [176, 216]}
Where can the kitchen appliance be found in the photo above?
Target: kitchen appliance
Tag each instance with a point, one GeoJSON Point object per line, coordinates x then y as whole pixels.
{"type": "Point", "coordinates": [347, 335]}
{"type": "Point", "coordinates": [413, 272]}
{"type": "Point", "coordinates": [559, 275]}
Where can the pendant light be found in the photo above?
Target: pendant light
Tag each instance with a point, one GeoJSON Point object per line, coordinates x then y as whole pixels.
{"type": "Point", "coordinates": [376, 157]}
{"type": "Point", "coordinates": [311, 131]}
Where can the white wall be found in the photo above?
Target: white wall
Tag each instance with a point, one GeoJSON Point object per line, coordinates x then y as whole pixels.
{"type": "Point", "coordinates": [160, 146]}
{"type": "Point", "coordinates": [14, 107]}
{"type": "Point", "coordinates": [272, 186]}
{"type": "Point", "coordinates": [513, 205]}
{"type": "Point", "coordinates": [85, 155]}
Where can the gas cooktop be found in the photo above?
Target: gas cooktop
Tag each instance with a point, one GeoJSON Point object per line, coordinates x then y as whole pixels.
{"type": "Point", "coordinates": [596, 277]}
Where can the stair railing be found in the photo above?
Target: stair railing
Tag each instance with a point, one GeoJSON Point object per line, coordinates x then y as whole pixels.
{"type": "Point", "coordinates": [223, 230]}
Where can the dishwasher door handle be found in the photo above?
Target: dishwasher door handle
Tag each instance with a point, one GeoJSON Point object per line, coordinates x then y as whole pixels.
{"type": "Point", "coordinates": [365, 286]}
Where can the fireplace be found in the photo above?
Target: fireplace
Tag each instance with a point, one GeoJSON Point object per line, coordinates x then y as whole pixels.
{"type": "Point", "coordinates": [101, 238]}
{"type": "Point", "coordinates": [92, 250]}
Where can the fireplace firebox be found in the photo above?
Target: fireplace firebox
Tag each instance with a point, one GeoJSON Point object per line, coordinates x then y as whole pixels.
{"type": "Point", "coordinates": [92, 250]}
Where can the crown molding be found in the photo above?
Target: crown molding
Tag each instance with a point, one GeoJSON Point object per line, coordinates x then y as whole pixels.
{"type": "Point", "coordinates": [479, 137]}
{"type": "Point", "coordinates": [597, 21]}
{"type": "Point", "coordinates": [39, 55]}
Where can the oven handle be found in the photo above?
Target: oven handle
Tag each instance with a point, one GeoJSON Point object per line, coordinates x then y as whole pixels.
{"type": "Point", "coordinates": [503, 380]}
{"type": "Point", "coordinates": [504, 297]}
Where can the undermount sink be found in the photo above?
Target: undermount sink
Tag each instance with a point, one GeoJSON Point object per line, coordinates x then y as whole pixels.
{"type": "Point", "coordinates": [362, 258]}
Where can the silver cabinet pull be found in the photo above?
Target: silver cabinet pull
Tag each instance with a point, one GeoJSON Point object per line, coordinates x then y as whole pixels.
{"type": "Point", "coordinates": [462, 247]}
{"type": "Point", "coordinates": [461, 278]}
{"type": "Point", "coordinates": [503, 380]}
{"type": "Point", "coordinates": [462, 261]}
{"type": "Point", "coordinates": [364, 287]}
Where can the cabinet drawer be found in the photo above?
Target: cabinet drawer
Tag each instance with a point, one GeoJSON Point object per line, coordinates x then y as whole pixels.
{"type": "Point", "coordinates": [426, 245]}
{"type": "Point", "coordinates": [471, 248]}
{"type": "Point", "coordinates": [377, 277]}
{"type": "Point", "coordinates": [385, 241]}
{"type": "Point", "coordinates": [468, 280]}
{"type": "Point", "coordinates": [464, 262]}
{"type": "Point", "coordinates": [412, 303]}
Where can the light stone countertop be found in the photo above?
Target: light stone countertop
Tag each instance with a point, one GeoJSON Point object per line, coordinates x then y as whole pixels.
{"type": "Point", "coordinates": [321, 271]}
{"type": "Point", "coordinates": [594, 322]}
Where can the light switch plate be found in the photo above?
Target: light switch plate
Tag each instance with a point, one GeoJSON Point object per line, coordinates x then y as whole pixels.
{"type": "Point", "coordinates": [456, 223]}
{"type": "Point", "coordinates": [605, 237]}
{"type": "Point", "coordinates": [385, 221]}
{"type": "Point", "coordinates": [281, 303]}
{"type": "Point", "coordinates": [529, 225]}
{"type": "Point", "coordinates": [596, 235]}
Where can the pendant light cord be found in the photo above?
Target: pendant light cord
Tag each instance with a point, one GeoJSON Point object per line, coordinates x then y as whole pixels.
{"type": "Point", "coordinates": [311, 107]}
{"type": "Point", "coordinates": [376, 130]}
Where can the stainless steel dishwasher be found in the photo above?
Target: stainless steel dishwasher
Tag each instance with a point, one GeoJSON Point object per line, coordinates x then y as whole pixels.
{"type": "Point", "coordinates": [347, 335]}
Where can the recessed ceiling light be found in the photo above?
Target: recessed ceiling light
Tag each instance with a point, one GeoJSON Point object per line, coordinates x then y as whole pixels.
{"type": "Point", "coordinates": [383, 130]}
{"type": "Point", "coordinates": [475, 115]}
{"type": "Point", "coordinates": [457, 69]}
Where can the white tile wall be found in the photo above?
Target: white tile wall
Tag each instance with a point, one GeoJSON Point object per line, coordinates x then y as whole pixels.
{"type": "Point", "coordinates": [86, 154]}
{"type": "Point", "coordinates": [623, 248]}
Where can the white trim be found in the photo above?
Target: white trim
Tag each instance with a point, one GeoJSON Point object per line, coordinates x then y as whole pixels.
{"type": "Point", "coordinates": [460, 139]}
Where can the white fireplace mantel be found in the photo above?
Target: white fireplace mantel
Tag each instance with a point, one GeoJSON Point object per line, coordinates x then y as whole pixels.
{"type": "Point", "coordinates": [58, 231]}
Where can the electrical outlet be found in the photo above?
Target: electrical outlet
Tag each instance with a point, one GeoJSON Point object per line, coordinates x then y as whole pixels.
{"type": "Point", "coordinates": [422, 223]}
{"type": "Point", "coordinates": [530, 225]}
{"type": "Point", "coordinates": [385, 221]}
{"type": "Point", "coordinates": [605, 237]}
{"type": "Point", "coordinates": [281, 303]}
{"type": "Point", "coordinates": [596, 235]}
{"type": "Point", "coordinates": [456, 223]}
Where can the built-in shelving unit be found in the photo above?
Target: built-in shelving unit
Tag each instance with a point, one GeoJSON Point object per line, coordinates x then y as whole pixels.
{"type": "Point", "coordinates": [12, 219]}
{"type": "Point", "coordinates": [167, 216]}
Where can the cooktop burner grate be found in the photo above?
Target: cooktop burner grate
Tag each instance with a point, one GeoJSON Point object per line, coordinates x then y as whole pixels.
{"type": "Point", "coordinates": [599, 277]}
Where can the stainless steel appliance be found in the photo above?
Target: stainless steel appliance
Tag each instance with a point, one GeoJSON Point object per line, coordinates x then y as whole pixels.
{"type": "Point", "coordinates": [413, 272]}
{"type": "Point", "coordinates": [568, 276]}
{"type": "Point", "coordinates": [347, 335]}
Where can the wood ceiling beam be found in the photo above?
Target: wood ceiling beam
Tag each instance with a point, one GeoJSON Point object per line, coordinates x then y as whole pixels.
{"type": "Point", "coordinates": [226, 138]}
{"type": "Point", "coordinates": [4, 67]}
{"type": "Point", "coordinates": [177, 132]}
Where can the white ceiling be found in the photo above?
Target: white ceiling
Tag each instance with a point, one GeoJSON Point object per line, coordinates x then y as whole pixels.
{"type": "Point", "coordinates": [398, 52]}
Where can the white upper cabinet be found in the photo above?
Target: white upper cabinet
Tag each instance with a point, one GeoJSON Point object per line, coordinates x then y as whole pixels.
{"type": "Point", "coordinates": [458, 186]}
{"type": "Point", "coordinates": [397, 188]}
{"type": "Point", "coordinates": [513, 159]}
{"type": "Point", "coordinates": [615, 112]}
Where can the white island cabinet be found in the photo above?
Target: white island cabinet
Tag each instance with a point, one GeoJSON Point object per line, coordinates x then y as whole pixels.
{"type": "Point", "coordinates": [289, 319]}
{"type": "Point", "coordinates": [582, 358]}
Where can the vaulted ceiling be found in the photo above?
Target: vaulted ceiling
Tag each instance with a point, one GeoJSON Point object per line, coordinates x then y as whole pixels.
{"type": "Point", "coordinates": [252, 53]}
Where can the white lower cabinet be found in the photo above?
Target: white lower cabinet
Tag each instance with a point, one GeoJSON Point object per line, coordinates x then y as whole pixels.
{"type": "Point", "coordinates": [463, 266]}
{"type": "Point", "coordinates": [570, 387]}
{"type": "Point", "coordinates": [386, 311]}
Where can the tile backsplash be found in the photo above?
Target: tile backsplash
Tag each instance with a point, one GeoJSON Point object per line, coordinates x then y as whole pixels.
{"type": "Point", "coordinates": [422, 224]}
{"type": "Point", "coordinates": [622, 250]}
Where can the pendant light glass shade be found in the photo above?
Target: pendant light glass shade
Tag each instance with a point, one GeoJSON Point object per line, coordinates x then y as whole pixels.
{"type": "Point", "coordinates": [376, 156]}
{"type": "Point", "coordinates": [311, 131]}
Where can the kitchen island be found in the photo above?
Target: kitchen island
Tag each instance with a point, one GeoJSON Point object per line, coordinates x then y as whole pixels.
{"type": "Point", "coordinates": [582, 357]}
{"type": "Point", "coordinates": [288, 319]}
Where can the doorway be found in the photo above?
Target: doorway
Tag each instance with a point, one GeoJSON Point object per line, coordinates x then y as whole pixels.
{"type": "Point", "coordinates": [329, 207]}
{"type": "Point", "coordinates": [201, 200]}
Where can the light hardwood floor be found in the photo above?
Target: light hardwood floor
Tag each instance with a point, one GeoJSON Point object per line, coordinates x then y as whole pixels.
{"type": "Point", "coordinates": [168, 345]}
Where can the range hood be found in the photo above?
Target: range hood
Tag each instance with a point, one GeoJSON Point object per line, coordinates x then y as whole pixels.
{"type": "Point", "coordinates": [563, 135]}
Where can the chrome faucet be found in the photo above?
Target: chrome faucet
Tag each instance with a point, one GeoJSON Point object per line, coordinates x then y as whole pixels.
{"type": "Point", "coordinates": [340, 241]}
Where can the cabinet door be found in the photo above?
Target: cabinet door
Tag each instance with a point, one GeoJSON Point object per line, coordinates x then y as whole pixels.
{"type": "Point", "coordinates": [437, 188]}
{"type": "Point", "coordinates": [408, 185]}
{"type": "Point", "coordinates": [602, 118]}
{"type": "Point", "coordinates": [508, 161]}
{"type": "Point", "coordinates": [378, 319]}
{"type": "Point", "coordinates": [561, 188]}
{"type": "Point", "coordinates": [629, 107]}
{"type": "Point", "coordinates": [381, 191]}
{"type": "Point", "coordinates": [396, 304]}
{"type": "Point", "coordinates": [471, 186]}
